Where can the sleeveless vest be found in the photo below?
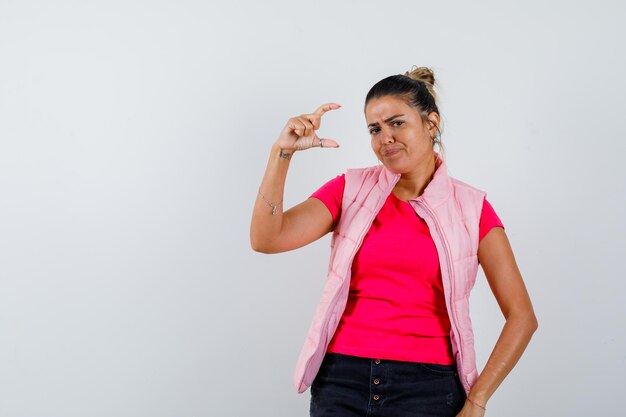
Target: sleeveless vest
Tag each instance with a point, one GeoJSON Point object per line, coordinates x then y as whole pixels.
{"type": "Point", "coordinates": [451, 210]}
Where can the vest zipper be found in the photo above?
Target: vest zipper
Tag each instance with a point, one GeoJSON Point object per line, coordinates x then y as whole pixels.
{"type": "Point", "coordinates": [453, 318]}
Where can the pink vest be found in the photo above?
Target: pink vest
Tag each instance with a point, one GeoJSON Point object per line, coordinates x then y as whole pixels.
{"type": "Point", "coordinates": [451, 210]}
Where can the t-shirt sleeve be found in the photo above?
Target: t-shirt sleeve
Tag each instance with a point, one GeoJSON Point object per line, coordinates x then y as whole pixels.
{"type": "Point", "coordinates": [488, 220]}
{"type": "Point", "coordinates": [331, 195]}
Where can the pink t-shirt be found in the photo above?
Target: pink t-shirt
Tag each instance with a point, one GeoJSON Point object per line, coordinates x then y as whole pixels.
{"type": "Point", "coordinates": [396, 307]}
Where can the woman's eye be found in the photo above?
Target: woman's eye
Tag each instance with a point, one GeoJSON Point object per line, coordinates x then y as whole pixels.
{"type": "Point", "coordinates": [373, 131]}
{"type": "Point", "coordinates": [397, 122]}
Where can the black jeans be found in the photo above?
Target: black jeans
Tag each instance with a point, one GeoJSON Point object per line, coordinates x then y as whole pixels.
{"type": "Point", "coordinates": [347, 386]}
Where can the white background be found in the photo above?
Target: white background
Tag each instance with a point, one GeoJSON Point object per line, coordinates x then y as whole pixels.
{"type": "Point", "coordinates": [133, 138]}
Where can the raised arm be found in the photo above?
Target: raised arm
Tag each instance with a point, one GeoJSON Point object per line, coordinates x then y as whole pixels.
{"type": "Point", "coordinates": [496, 258]}
{"type": "Point", "coordinates": [271, 229]}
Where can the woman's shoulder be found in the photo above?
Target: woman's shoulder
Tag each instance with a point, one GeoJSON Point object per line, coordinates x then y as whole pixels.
{"type": "Point", "coordinates": [488, 218]}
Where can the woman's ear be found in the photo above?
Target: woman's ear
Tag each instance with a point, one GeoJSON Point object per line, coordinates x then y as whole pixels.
{"type": "Point", "coordinates": [433, 123]}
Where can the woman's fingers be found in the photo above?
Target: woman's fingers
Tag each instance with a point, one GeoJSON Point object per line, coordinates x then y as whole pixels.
{"type": "Point", "coordinates": [300, 130]}
{"type": "Point", "coordinates": [315, 142]}
{"type": "Point", "coordinates": [307, 124]}
{"type": "Point", "coordinates": [295, 126]}
{"type": "Point", "coordinates": [316, 117]}
{"type": "Point", "coordinates": [326, 107]}
{"type": "Point", "coordinates": [325, 143]}
{"type": "Point", "coordinates": [312, 122]}
{"type": "Point", "coordinates": [301, 126]}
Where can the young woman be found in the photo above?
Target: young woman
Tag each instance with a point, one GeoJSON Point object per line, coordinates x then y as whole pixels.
{"type": "Point", "coordinates": [392, 334]}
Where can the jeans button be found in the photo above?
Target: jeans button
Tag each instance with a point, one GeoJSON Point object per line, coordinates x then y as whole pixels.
{"type": "Point", "coordinates": [377, 361]}
{"type": "Point", "coordinates": [376, 397]}
{"type": "Point", "coordinates": [376, 381]}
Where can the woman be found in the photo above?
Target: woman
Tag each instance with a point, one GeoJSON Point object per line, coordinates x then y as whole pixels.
{"type": "Point", "coordinates": [392, 334]}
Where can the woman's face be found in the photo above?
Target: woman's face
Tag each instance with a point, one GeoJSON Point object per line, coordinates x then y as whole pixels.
{"type": "Point", "coordinates": [399, 138]}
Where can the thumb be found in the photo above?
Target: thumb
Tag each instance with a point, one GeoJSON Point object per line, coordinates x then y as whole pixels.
{"type": "Point", "coordinates": [326, 143]}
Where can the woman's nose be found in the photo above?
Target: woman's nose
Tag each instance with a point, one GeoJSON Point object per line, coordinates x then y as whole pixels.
{"type": "Point", "coordinates": [386, 136]}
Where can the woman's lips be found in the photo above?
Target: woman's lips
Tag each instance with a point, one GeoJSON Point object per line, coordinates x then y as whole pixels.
{"type": "Point", "coordinates": [390, 152]}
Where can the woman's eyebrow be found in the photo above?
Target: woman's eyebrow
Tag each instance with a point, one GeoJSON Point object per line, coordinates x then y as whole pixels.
{"type": "Point", "coordinates": [386, 120]}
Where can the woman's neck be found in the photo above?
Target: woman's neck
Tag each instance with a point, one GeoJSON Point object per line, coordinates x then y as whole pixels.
{"type": "Point", "coordinates": [413, 184]}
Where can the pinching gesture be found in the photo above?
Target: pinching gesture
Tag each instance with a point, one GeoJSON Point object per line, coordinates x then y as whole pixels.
{"type": "Point", "coordinates": [299, 132]}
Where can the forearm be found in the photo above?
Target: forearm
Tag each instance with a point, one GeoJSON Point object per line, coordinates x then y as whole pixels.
{"type": "Point", "coordinates": [267, 215]}
{"type": "Point", "coordinates": [515, 336]}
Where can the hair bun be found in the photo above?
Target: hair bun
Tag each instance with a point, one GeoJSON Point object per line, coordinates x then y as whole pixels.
{"type": "Point", "coordinates": [421, 74]}
{"type": "Point", "coordinates": [424, 74]}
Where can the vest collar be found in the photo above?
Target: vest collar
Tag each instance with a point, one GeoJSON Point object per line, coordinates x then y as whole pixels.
{"type": "Point", "coordinates": [437, 190]}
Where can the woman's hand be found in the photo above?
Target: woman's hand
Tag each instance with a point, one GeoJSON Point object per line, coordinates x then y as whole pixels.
{"type": "Point", "coordinates": [299, 132]}
{"type": "Point", "coordinates": [471, 410]}
{"type": "Point", "coordinates": [271, 229]}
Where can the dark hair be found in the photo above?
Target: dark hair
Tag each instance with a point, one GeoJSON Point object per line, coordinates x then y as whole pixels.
{"type": "Point", "coordinates": [417, 88]}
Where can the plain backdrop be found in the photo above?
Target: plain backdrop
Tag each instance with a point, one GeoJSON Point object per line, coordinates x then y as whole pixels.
{"type": "Point", "coordinates": [133, 139]}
